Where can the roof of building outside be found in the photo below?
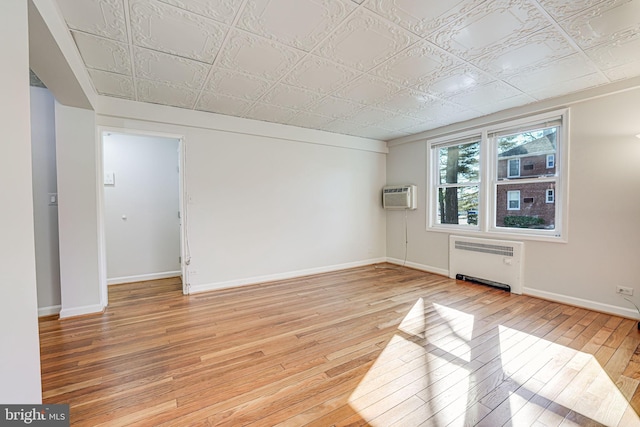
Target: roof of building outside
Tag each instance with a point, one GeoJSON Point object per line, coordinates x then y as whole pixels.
{"type": "Point", "coordinates": [537, 146]}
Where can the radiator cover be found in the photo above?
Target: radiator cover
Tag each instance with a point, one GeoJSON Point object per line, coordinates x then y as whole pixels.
{"type": "Point", "coordinates": [499, 261]}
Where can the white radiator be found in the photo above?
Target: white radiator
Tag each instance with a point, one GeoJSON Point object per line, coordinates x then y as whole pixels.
{"type": "Point", "coordinates": [500, 261]}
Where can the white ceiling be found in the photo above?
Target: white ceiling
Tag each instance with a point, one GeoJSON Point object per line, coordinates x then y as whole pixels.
{"type": "Point", "coordinates": [373, 68]}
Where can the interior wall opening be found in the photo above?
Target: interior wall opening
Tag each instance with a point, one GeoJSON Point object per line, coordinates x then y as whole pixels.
{"type": "Point", "coordinates": [141, 207]}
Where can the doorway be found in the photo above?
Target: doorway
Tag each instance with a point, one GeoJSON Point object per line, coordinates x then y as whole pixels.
{"type": "Point", "coordinates": [141, 194]}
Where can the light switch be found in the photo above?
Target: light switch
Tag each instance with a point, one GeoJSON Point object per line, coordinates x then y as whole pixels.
{"type": "Point", "coordinates": [109, 178]}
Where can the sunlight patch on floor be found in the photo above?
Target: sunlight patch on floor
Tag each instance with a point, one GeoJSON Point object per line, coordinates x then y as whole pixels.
{"type": "Point", "coordinates": [567, 382]}
{"type": "Point", "coordinates": [442, 367]}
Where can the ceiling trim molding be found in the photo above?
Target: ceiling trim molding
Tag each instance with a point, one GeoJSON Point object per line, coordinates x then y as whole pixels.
{"type": "Point", "coordinates": [126, 109]}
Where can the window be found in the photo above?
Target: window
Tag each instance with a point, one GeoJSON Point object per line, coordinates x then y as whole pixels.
{"type": "Point", "coordinates": [551, 161]}
{"type": "Point", "coordinates": [513, 200]}
{"type": "Point", "coordinates": [458, 181]}
{"type": "Point", "coordinates": [505, 179]}
{"type": "Point", "coordinates": [513, 168]}
{"type": "Point", "coordinates": [551, 196]}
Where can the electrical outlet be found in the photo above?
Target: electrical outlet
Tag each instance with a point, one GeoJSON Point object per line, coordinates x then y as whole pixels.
{"type": "Point", "coordinates": [624, 291]}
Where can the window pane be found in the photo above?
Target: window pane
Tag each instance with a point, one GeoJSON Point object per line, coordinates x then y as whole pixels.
{"type": "Point", "coordinates": [551, 161]}
{"type": "Point", "coordinates": [527, 154]}
{"type": "Point", "coordinates": [525, 206]}
{"type": "Point", "coordinates": [514, 168]}
{"type": "Point", "coordinates": [459, 163]}
{"type": "Point", "coordinates": [513, 200]}
{"type": "Point", "coordinates": [458, 205]}
{"type": "Point", "coordinates": [551, 198]}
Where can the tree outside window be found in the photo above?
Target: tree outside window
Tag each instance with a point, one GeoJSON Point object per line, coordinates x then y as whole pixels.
{"type": "Point", "coordinates": [458, 182]}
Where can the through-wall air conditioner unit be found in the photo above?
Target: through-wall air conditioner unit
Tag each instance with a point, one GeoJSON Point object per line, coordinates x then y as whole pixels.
{"type": "Point", "coordinates": [400, 197]}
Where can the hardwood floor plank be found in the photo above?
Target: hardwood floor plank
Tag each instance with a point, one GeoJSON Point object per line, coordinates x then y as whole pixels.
{"type": "Point", "coordinates": [364, 346]}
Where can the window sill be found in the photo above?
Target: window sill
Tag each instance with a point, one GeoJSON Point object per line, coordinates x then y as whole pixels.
{"type": "Point", "coordinates": [520, 236]}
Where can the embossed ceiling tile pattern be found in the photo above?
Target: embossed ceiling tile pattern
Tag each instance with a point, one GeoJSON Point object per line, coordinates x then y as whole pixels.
{"type": "Point", "coordinates": [112, 84]}
{"type": "Point", "coordinates": [544, 46]}
{"type": "Point", "coordinates": [375, 132]}
{"type": "Point", "coordinates": [368, 90]}
{"type": "Point", "coordinates": [562, 9]}
{"type": "Point", "coordinates": [364, 41]}
{"type": "Point", "coordinates": [298, 23]}
{"type": "Point", "coordinates": [334, 107]}
{"type": "Point", "coordinates": [489, 27]}
{"type": "Point", "coordinates": [618, 60]}
{"type": "Point", "coordinates": [557, 88]}
{"type": "Point", "coordinates": [321, 63]}
{"type": "Point", "coordinates": [416, 64]}
{"type": "Point", "coordinates": [571, 73]}
{"type": "Point", "coordinates": [157, 66]}
{"type": "Point", "coordinates": [222, 104]}
{"type": "Point", "coordinates": [289, 96]}
{"type": "Point", "coordinates": [627, 71]}
{"type": "Point", "coordinates": [491, 97]}
{"type": "Point", "coordinates": [238, 85]}
{"type": "Point", "coordinates": [424, 126]}
{"type": "Point", "coordinates": [165, 94]}
{"type": "Point", "coordinates": [159, 26]}
{"type": "Point", "coordinates": [421, 17]}
{"type": "Point", "coordinates": [454, 81]}
{"type": "Point", "coordinates": [103, 54]}
{"type": "Point", "coordinates": [397, 122]}
{"type": "Point", "coordinates": [459, 115]}
{"type": "Point", "coordinates": [605, 22]}
{"type": "Point", "coordinates": [257, 56]}
{"type": "Point", "coordinates": [221, 10]}
{"type": "Point", "coordinates": [444, 112]}
{"type": "Point", "coordinates": [344, 127]}
{"type": "Point", "coordinates": [319, 75]}
{"type": "Point", "coordinates": [105, 18]}
{"type": "Point", "coordinates": [410, 102]}
{"type": "Point", "coordinates": [269, 113]}
{"type": "Point", "coordinates": [368, 116]}
{"type": "Point", "coordinates": [307, 120]}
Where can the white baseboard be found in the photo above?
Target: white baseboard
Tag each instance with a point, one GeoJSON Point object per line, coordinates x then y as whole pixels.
{"type": "Point", "coordinates": [280, 276]}
{"type": "Point", "coordinates": [551, 296]}
{"type": "Point", "coordinates": [80, 311]}
{"type": "Point", "coordinates": [421, 267]}
{"type": "Point", "coordinates": [584, 303]}
{"type": "Point", "coordinates": [48, 311]}
{"type": "Point", "coordinates": [143, 277]}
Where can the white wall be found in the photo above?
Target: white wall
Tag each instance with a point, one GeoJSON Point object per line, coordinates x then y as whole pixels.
{"type": "Point", "coordinates": [20, 352]}
{"type": "Point", "coordinates": [604, 235]}
{"type": "Point", "coordinates": [264, 207]}
{"type": "Point", "coordinates": [80, 274]}
{"type": "Point", "coordinates": [45, 214]}
{"type": "Point", "coordinates": [146, 244]}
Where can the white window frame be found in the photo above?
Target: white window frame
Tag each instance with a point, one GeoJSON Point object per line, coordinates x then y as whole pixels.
{"type": "Point", "coordinates": [434, 182]}
{"type": "Point", "coordinates": [551, 161]}
{"type": "Point", "coordinates": [550, 192]}
{"type": "Point", "coordinates": [509, 200]}
{"type": "Point", "coordinates": [509, 175]}
{"type": "Point", "coordinates": [488, 181]}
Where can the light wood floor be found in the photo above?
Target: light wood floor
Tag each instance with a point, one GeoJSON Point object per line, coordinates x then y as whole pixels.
{"type": "Point", "coordinates": [366, 346]}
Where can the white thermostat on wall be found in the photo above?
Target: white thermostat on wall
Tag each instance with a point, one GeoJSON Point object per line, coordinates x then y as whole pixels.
{"type": "Point", "coordinates": [109, 178]}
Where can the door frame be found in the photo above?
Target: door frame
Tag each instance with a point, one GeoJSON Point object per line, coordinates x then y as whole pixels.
{"type": "Point", "coordinates": [102, 252]}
